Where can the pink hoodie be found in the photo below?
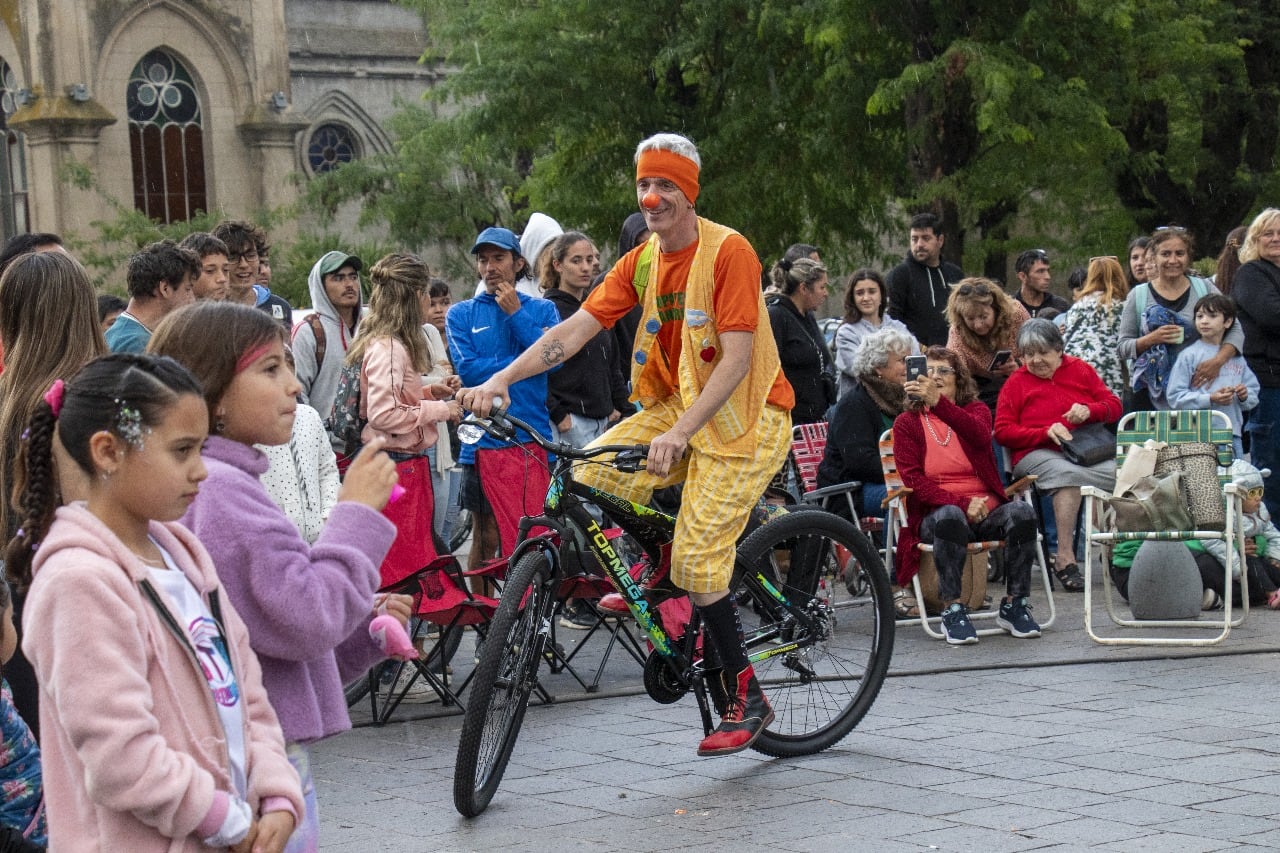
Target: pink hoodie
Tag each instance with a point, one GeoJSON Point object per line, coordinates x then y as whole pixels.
{"type": "Point", "coordinates": [134, 753]}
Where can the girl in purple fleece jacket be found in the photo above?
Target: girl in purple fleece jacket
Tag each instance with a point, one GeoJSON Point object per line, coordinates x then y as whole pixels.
{"type": "Point", "coordinates": [308, 607]}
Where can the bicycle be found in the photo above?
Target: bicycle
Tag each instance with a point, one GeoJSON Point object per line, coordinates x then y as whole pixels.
{"type": "Point", "coordinates": [820, 652]}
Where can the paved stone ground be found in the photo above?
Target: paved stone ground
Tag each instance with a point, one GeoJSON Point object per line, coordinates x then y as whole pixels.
{"type": "Point", "coordinates": [1056, 744]}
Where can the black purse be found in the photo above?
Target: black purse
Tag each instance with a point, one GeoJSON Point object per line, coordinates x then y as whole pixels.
{"type": "Point", "coordinates": [1089, 445]}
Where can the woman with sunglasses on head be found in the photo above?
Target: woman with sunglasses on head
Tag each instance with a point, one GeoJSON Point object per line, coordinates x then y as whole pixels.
{"type": "Point", "coordinates": [1092, 330]}
{"type": "Point", "coordinates": [984, 332]}
{"type": "Point", "coordinates": [942, 445]}
{"type": "Point", "coordinates": [1047, 398]}
{"type": "Point", "coordinates": [1158, 321]}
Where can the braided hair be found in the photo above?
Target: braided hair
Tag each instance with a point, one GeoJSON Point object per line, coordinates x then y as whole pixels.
{"type": "Point", "coordinates": [122, 393]}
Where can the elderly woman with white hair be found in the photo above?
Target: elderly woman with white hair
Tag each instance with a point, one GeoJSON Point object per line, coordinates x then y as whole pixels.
{"type": "Point", "coordinates": [1256, 289]}
{"type": "Point", "coordinates": [1045, 399]}
{"type": "Point", "coordinates": [858, 419]}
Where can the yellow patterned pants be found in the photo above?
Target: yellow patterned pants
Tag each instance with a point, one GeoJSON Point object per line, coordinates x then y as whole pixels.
{"type": "Point", "coordinates": [719, 491]}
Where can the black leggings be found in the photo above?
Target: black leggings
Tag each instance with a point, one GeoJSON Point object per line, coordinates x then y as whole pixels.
{"type": "Point", "coordinates": [949, 531]}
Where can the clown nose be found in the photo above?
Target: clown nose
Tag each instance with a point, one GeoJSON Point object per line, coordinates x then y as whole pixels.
{"type": "Point", "coordinates": [651, 201]}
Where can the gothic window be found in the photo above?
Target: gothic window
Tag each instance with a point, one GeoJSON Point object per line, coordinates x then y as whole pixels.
{"type": "Point", "coordinates": [166, 139]}
{"type": "Point", "coordinates": [329, 146]}
{"type": "Point", "coordinates": [13, 160]}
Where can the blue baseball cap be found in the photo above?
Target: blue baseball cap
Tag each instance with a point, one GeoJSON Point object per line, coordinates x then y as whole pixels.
{"type": "Point", "coordinates": [503, 238]}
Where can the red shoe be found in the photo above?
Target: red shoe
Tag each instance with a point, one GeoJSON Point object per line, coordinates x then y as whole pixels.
{"type": "Point", "coordinates": [655, 582]}
{"type": "Point", "coordinates": [748, 714]}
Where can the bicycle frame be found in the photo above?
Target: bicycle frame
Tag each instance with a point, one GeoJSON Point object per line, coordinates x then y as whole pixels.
{"type": "Point", "coordinates": [564, 514]}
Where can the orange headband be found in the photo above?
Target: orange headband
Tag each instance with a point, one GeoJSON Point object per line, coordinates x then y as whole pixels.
{"type": "Point", "coordinates": [676, 168]}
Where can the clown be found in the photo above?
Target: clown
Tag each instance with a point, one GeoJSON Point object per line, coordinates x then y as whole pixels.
{"type": "Point", "coordinates": [714, 402]}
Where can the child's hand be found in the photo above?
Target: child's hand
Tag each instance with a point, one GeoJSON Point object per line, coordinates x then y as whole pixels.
{"type": "Point", "coordinates": [1250, 547]}
{"type": "Point", "coordinates": [370, 477]}
{"type": "Point", "coordinates": [399, 606]}
{"type": "Point", "coordinates": [1242, 393]}
{"type": "Point", "coordinates": [439, 391]}
{"type": "Point", "coordinates": [454, 381]}
{"type": "Point", "coordinates": [274, 829]}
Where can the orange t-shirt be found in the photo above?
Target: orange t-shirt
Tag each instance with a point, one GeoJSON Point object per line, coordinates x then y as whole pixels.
{"type": "Point", "coordinates": [735, 299]}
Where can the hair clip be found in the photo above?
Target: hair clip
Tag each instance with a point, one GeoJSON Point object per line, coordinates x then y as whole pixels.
{"type": "Point", "coordinates": [54, 396]}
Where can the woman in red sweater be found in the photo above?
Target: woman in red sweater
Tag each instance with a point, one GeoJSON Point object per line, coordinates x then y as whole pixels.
{"type": "Point", "coordinates": [942, 445]}
{"type": "Point", "coordinates": [1043, 401]}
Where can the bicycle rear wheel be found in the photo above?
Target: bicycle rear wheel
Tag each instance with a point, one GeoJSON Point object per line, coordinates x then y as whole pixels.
{"type": "Point", "coordinates": [503, 680]}
{"type": "Point", "coordinates": [821, 690]}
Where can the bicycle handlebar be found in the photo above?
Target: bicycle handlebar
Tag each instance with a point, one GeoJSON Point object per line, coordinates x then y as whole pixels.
{"type": "Point", "coordinates": [501, 425]}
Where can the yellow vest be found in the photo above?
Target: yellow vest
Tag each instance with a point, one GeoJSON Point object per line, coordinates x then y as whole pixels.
{"type": "Point", "coordinates": [731, 431]}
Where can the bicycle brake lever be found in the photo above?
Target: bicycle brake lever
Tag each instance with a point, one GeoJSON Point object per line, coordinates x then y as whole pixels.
{"type": "Point", "coordinates": [630, 461]}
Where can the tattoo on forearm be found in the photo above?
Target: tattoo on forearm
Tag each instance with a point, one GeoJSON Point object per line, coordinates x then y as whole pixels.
{"type": "Point", "coordinates": [552, 353]}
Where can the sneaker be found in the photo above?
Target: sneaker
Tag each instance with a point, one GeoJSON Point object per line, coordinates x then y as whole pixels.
{"type": "Point", "coordinates": [1211, 600]}
{"type": "Point", "coordinates": [420, 691]}
{"type": "Point", "coordinates": [1015, 617]}
{"type": "Point", "coordinates": [956, 625]}
{"type": "Point", "coordinates": [577, 617]}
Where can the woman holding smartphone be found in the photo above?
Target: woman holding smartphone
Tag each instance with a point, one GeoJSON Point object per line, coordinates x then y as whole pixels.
{"type": "Point", "coordinates": [984, 333]}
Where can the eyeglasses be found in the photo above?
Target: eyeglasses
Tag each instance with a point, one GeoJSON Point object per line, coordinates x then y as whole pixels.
{"type": "Point", "coordinates": [974, 290]}
{"type": "Point", "coordinates": [343, 276]}
{"type": "Point", "coordinates": [1255, 493]}
{"type": "Point", "coordinates": [251, 256]}
{"type": "Point", "coordinates": [940, 371]}
{"type": "Point", "coordinates": [1177, 228]}
{"type": "Point", "coordinates": [1104, 258]}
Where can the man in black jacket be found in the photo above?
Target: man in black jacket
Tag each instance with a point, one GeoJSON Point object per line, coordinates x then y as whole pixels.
{"type": "Point", "coordinates": [919, 286]}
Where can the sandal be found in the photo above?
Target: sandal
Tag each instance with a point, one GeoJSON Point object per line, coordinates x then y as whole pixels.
{"type": "Point", "coordinates": [1274, 600]}
{"type": "Point", "coordinates": [1070, 578]}
{"type": "Point", "coordinates": [904, 604]}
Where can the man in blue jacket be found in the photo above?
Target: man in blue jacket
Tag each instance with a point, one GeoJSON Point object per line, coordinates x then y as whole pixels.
{"type": "Point", "coordinates": [486, 333]}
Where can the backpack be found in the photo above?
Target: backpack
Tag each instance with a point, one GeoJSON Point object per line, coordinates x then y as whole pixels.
{"type": "Point", "coordinates": [1199, 290]}
{"type": "Point", "coordinates": [345, 422]}
{"type": "Point", "coordinates": [317, 329]}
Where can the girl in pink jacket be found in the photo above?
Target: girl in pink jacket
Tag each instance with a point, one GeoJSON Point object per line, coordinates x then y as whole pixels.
{"type": "Point", "coordinates": [155, 727]}
{"type": "Point", "coordinates": [393, 356]}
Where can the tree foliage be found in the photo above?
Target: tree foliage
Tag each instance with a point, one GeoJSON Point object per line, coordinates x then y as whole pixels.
{"type": "Point", "coordinates": [1067, 123]}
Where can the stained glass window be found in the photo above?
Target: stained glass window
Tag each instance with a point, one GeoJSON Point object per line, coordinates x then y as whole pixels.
{"type": "Point", "coordinates": [329, 146]}
{"type": "Point", "coordinates": [166, 139]}
{"type": "Point", "coordinates": [13, 160]}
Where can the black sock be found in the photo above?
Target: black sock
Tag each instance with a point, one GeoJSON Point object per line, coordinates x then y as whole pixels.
{"type": "Point", "coordinates": [721, 625]}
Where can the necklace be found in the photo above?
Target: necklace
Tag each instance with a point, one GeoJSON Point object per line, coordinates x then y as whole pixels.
{"type": "Point", "coordinates": [135, 319]}
{"type": "Point", "coordinates": [941, 442]}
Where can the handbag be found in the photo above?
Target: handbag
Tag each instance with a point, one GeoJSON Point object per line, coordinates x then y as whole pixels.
{"type": "Point", "coordinates": [1152, 504]}
{"type": "Point", "coordinates": [1089, 445]}
{"type": "Point", "coordinates": [1198, 463]}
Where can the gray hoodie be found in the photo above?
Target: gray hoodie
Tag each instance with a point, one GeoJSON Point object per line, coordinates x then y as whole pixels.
{"type": "Point", "coordinates": [320, 381]}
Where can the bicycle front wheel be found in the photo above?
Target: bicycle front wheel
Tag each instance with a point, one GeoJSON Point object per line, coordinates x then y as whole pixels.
{"type": "Point", "coordinates": [503, 680]}
{"type": "Point", "coordinates": [822, 689]}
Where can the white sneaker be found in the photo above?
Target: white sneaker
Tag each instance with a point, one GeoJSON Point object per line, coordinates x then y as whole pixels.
{"type": "Point", "coordinates": [1211, 600]}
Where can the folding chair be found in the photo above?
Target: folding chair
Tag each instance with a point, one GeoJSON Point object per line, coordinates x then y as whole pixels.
{"type": "Point", "coordinates": [1174, 428]}
{"type": "Point", "coordinates": [441, 599]}
{"type": "Point", "coordinates": [896, 501]}
{"type": "Point", "coordinates": [808, 447]}
{"type": "Point", "coordinates": [580, 583]}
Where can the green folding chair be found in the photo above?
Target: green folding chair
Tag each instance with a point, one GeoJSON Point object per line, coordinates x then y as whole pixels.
{"type": "Point", "coordinates": [1173, 428]}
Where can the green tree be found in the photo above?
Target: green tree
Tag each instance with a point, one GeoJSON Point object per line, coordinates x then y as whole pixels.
{"type": "Point", "coordinates": [1066, 123]}
{"type": "Point", "coordinates": [547, 101]}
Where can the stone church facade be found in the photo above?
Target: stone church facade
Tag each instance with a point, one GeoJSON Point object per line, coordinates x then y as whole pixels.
{"type": "Point", "coordinates": [177, 106]}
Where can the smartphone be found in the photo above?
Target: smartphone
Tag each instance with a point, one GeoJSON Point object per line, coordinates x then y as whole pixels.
{"type": "Point", "coordinates": [917, 367]}
{"type": "Point", "coordinates": [1000, 358]}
